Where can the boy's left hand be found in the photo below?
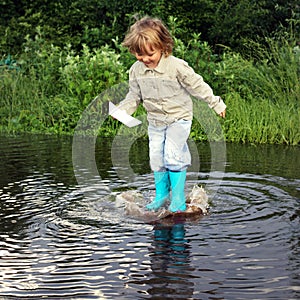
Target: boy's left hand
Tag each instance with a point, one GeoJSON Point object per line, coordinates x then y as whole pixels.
{"type": "Point", "coordinates": [222, 114]}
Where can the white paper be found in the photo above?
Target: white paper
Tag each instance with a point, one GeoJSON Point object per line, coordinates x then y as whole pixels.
{"type": "Point", "coordinates": [122, 116]}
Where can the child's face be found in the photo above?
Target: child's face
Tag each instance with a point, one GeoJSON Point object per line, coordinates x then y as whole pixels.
{"type": "Point", "coordinates": [150, 58]}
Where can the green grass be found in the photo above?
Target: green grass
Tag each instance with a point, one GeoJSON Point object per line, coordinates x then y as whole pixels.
{"type": "Point", "coordinates": [263, 96]}
{"type": "Point", "coordinates": [261, 121]}
{"type": "Point", "coordinates": [54, 86]}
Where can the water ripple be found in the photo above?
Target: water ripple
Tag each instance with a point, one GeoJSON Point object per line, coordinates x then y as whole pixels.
{"type": "Point", "coordinates": [56, 242]}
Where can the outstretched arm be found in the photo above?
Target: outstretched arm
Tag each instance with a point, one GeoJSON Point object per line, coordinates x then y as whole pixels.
{"type": "Point", "coordinates": [196, 86]}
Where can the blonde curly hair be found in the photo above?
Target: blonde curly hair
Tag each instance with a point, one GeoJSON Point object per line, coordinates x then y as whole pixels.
{"type": "Point", "coordinates": [148, 33]}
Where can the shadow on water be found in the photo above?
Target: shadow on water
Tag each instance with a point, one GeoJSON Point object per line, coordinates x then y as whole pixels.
{"type": "Point", "coordinates": [58, 243]}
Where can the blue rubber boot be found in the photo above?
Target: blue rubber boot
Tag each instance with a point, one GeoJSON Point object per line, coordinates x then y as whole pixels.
{"type": "Point", "coordinates": [177, 180]}
{"type": "Point", "coordinates": [162, 186]}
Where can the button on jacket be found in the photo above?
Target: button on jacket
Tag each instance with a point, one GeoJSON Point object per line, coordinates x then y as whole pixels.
{"type": "Point", "coordinates": [166, 91]}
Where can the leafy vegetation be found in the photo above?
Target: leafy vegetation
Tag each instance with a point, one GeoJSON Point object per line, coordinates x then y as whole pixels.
{"type": "Point", "coordinates": [95, 23]}
{"type": "Point", "coordinates": [53, 67]}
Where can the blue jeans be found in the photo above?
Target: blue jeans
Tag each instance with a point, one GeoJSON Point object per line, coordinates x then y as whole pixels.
{"type": "Point", "coordinates": [168, 149]}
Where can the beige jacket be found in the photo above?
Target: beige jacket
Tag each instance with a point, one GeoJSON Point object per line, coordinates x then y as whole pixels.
{"type": "Point", "coordinates": [166, 91]}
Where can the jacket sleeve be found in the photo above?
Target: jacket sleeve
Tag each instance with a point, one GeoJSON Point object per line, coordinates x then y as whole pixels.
{"type": "Point", "coordinates": [133, 97]}
{"type": "Point", "coordinates": [196, 87]}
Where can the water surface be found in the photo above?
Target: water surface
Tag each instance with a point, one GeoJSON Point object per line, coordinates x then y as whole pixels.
{"type": "Point", "coordinates": [57, 242]}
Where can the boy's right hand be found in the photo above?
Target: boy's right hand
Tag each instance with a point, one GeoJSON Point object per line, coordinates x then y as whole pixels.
{"type": "Point", "coordinates": [223, 114]}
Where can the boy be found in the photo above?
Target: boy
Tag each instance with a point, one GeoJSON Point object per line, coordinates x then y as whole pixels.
{"type": "Point", "coordinates": [164, 84]}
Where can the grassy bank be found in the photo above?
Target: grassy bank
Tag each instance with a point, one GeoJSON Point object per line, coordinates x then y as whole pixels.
{"type": "Point", "coordinates": [263, 97]}
{"type": "Point", "coordinates": [54, 86]}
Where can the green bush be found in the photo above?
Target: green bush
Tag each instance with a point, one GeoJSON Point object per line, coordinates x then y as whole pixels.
{"type": "Point", "coordinates": [93, 71]}
{"type": "Point", "coordinates": [55, 85]}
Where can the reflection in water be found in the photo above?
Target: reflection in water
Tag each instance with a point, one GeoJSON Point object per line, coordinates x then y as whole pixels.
{"type": "Point", "coordinates": [57, 244]}
{"type": "Point", "coordinates": [170, 263]}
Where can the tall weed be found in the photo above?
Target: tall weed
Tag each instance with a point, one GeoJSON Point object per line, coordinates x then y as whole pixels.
{"type": "Point", "coordinates": [263, 95]}
{"type": "Point", "coordinates": [261, 121]}
{"type": "Point", "coordinates": [55, 85]}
